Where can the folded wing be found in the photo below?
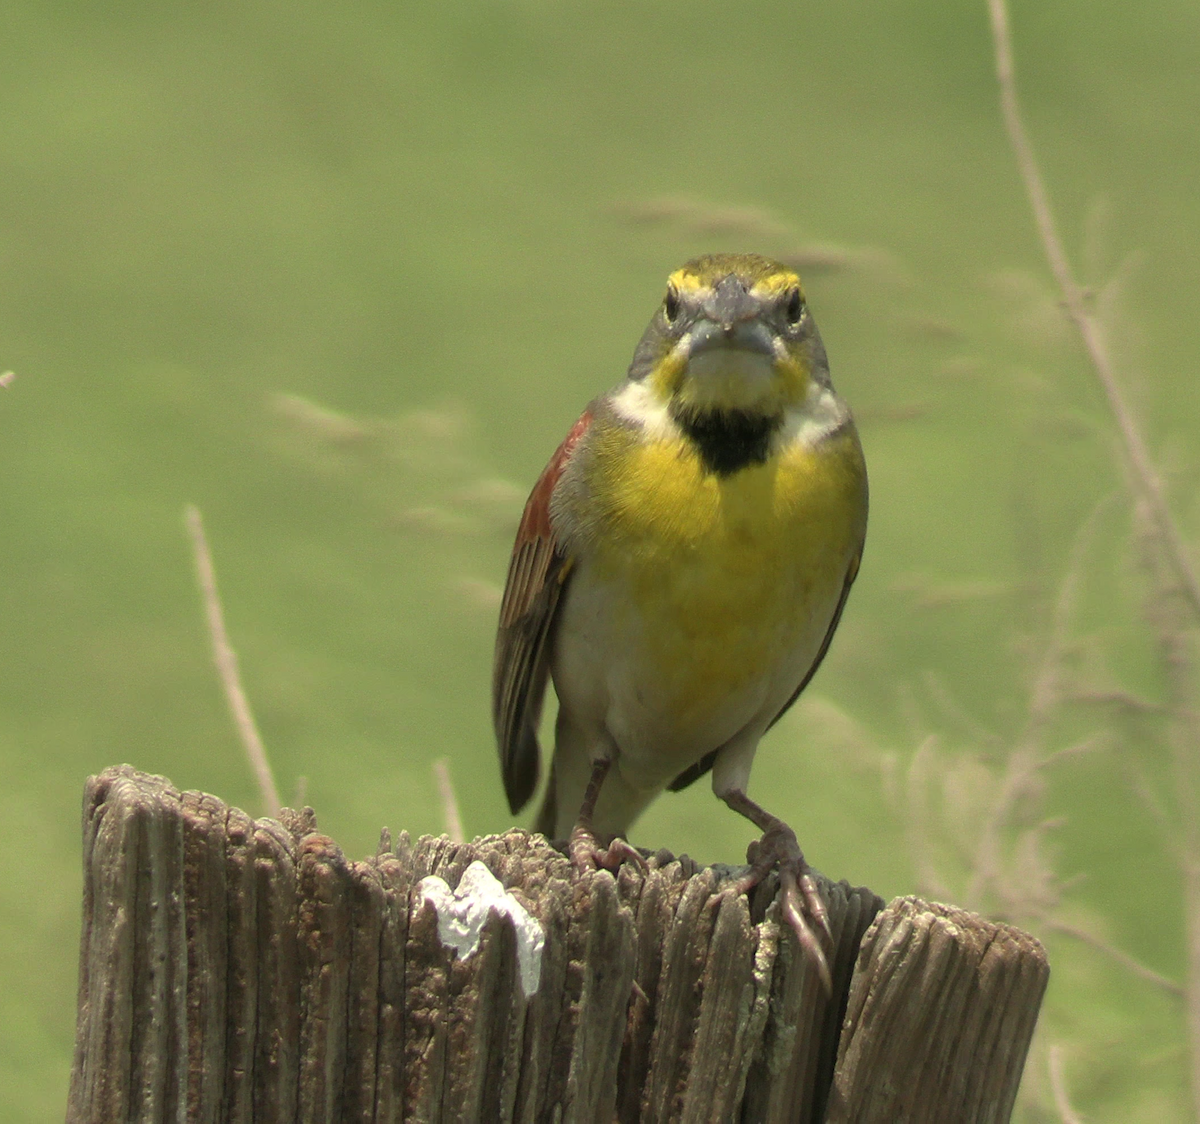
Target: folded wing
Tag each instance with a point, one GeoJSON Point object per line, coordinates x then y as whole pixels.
{"type": "Point", "coordinates": [537, 575]}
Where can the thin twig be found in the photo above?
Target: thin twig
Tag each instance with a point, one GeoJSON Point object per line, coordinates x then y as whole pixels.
{"type": "Point", "coordinates": [1122, 699]}
{"type": "Point", "coordinates": [450, 816]}
{"type": "Point", "coordinates": [227, 667]}
{"type": "Point", "coordinates": [1045, 695]}
{"type": "Point", "coordinates": [1166, 826]}
{"type": "Point", "coordinates": [1114, 953]}
{"type": "Point", "coordinates": [1058, 1086]}
{"type": "Point", "coordinates": [1088, 745]}
{"type": "Point", "coordinates": [952, 709]}
{"type": "Point", "coordinates": [1178, 658]}
{"type": "Point", "coordinates": [1137, 455]}
{"type": "Point", "coordinates": [919, 814]}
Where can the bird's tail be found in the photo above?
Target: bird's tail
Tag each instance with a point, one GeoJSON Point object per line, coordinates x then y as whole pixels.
{"type": "Point", "coordinates": [548, 813]}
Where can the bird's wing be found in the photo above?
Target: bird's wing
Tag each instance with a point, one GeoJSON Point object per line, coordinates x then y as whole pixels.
{"type": "Point", "coordinates": [537, 575]}
{"type": "Point", "coordinates": [695, 772]}
{"type": "Point", "coordinates": [851, 574]}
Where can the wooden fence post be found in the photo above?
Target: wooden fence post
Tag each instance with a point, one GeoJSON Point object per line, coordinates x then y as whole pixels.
{"type": "Point", "coordinates": [243, 970]}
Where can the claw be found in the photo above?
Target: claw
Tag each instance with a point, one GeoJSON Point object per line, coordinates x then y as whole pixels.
{"type": "Point", "coordinates": [588, 855]}
{"type": "Point", "coordinates": [803, 908]}
{"type": "Point", "coordinates": [718, 896]}
{"type": "Point", "coordinates": [806, 888]}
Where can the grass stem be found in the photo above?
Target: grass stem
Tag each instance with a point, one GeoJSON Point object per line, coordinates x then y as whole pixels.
{"type": "Point", "coordinates": [227, 666]}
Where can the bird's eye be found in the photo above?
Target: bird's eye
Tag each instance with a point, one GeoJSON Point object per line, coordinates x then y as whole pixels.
{"type": "Point", "coordinates": [795, 307]}
{"type": "Point", "coordinates": [671, 304]}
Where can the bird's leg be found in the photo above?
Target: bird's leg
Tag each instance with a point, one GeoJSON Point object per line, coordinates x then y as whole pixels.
{"type": "Point", "coordinates": [585, 849]}
{"type": "Point", "coordinates": [802, 904]}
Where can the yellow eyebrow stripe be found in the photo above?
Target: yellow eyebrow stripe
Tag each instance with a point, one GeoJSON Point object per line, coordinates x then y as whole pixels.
{"type": "Point", "coordinates": [777, 284]}
{"type": "Point", "coordinates": [686, 280]}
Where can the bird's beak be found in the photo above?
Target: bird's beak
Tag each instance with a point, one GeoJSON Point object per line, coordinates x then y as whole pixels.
{"type": "Point", "coordinates": [730, 319]}
{"type": "Point", "coordinates": [748, 335]}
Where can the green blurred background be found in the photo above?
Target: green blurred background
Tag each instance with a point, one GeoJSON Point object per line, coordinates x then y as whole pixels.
{"type": "Point", "coordinates": [343, 277]}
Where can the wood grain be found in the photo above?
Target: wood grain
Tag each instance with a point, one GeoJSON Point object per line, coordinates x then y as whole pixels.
{"type": "Point", "coordinates": [244, 970]}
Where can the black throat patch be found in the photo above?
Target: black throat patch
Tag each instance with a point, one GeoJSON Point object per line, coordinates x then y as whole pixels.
{"type": "Point", "coordinates": [728, 440]}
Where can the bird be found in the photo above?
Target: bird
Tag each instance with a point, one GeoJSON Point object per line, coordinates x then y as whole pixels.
{"type": "Point", "coordinates": [679, 571]}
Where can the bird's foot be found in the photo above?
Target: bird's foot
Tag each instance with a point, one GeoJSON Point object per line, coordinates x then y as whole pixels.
{"type": "Point", "coordinates": [587, 854]}
{"type": "Point", "coordinates": [802, 904]}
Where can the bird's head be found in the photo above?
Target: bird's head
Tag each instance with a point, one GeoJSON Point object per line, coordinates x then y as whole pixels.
{"type": "Point", "coordinates": [732, 335]}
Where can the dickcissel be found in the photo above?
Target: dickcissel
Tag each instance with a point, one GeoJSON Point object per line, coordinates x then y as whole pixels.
{"type": "Point", "coordinates": [680, 569]}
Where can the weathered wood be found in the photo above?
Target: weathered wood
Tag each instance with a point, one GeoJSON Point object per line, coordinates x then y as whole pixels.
{"type": "Point", "coordinates": [941, 1012]}
{"type": "Point", "coordinates": [207, 926]}
{"type": "Point", "coordinates": [276, 1060]}
{"type": "Point", "coordinates": [242, 970]}
{"type": "Point", "coordinates": [131, 1041]}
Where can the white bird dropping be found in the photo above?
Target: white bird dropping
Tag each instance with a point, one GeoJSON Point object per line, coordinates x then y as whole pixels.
{"type": "Point", "coordinates": [462, 913]}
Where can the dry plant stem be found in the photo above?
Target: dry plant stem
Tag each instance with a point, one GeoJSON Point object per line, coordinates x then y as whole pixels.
{"type": "Point", "coordinates": [1183, 738]}
{"type": "Point", "coordinates": [1163, 533]}
{"type": "Point", "coordinates": [1166, 826]}
{"type": "Point", "coordinates": [1192, 993]}
{"type": "Point", "coordinates": [1123, 958]}
{"type": "Point", "coordinates": [957, 713]}
{"type": "Point", "coordinates": [1146, 480]}
{"type": "Point", "coordinates": [1046, 696]}
{"type": "Point", "coordinates": [1027, 759]}
{"type": "Point", "coordinates": [450, 816]}
{"type": "Point", "coordinates": [1058, 1087]}
{"type": "Point", "coordinates": [227, 667]}
{"type": "Point", "coordinates": [919, 816]}
{"type": "Point", "coordinates": [1122, 699]}
{"type": "Point", "coordinates": [1178, 655]}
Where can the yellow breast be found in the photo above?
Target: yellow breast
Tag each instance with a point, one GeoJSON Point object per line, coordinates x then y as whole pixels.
{"type": "Point", "coordinates": [726, 574]}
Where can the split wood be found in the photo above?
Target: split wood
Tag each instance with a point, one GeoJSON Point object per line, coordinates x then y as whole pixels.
{"type": "Point", "coordinates": [234, 969]}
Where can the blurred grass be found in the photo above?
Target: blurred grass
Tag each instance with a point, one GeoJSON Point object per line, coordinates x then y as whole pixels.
{"type": "Point", "coordinates": [343, 277]}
